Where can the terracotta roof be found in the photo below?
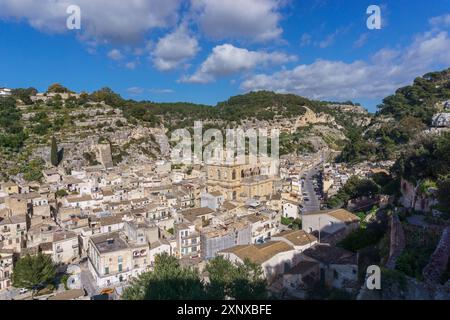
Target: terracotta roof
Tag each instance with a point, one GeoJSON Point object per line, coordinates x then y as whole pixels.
{"type": "Point", "coordinates": [107, 221]}
{"type": "Point", "coordinates": [198, 211]}
{"type": "Point", "coordinates": [331, 255]}
{"type": "Point", "coordinates": [340, 214]}
{"type": "Point", "coordinates": [64, 235]}
{"type": "Point", "coordinates": [69, 295]}
{"type": "Point", "coordinates": [227, 205]}
{"type": "Point", "coordinates": [261, 252]}
{"type": "Point", "coordinates": [344, 215]}
{"type": "Point", "coordinates": [297, 237]}
{"type": "Point", "coordinates": [302, 267]}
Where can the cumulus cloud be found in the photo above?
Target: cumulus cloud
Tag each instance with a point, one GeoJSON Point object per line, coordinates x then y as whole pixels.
{"type": "Point", "coordinates": [255, 20]}
{"type": "Point", "coordinates": [174, 49]}
{"type": "Point", "coordinates": [115, 54]}
{"type": "Point", "coordinates": [440, 21]}
{"type": "Point", "coordinates": [101, 20]}
{"type": "Point", "coordinates": [380, 76]}
{"type": "Point", "coordinates": [227, 59]}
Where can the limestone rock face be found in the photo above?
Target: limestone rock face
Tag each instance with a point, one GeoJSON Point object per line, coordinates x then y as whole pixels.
{"type": "Point", "coordinates": [104, 154]}
{"type": "Point", "coordinates": [441, 120]}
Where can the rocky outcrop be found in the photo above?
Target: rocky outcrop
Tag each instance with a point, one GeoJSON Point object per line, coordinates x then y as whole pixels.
{"type": "Point", "coordinates": [397, 241]}
{"type": "Point", "coordinates": [434, 270]}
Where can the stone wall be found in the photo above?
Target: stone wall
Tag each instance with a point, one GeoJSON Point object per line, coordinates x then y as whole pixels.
{"type": "Point", "coordinates": [438, 262]}
{"type": "Point", "coordinates": [397, 241]}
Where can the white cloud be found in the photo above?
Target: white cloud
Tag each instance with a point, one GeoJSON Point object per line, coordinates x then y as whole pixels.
{"type": "Point", "coordinates": [174, 49]}
{"type": "Point", "coordinates": [382, 75]}
{"type": "Point", "coordinates": [331, 38]}
{"type": "Point", "coordinates": [305, 40]}
{"type": "Point", "coordinates": [440, 21]}
{"type": "Point", "coordinates": [115, 54]}
{"type": "Point", "coordinates": [361, 41]}
{"type": "Point", "coordinates": [131, 65]}
{"type": "Point", "coordinates": [227, 59]}
{"type": "Point", "coordinates": [160, 91]}
{"type": "Point", "coordinates": [254, 20]}
{"type": "Point", "coordinates": [135, 91]}
{"type": "Point", "coordinates": [101, 20]}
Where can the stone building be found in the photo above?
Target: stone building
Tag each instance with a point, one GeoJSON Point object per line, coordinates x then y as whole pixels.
{"type": "Point", "coordinates": [238, 182]}
{"type": "Point", "coordinates": [224, 236]}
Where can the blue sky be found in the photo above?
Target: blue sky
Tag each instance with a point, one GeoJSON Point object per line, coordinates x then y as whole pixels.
{"type": "Point", "coordinates": [204, 51]}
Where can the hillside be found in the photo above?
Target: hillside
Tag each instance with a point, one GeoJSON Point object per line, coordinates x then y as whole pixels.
{"type": "Point", "coordinates": [401, 118]}
{"type": "Point", "coordinates": [134, 128]}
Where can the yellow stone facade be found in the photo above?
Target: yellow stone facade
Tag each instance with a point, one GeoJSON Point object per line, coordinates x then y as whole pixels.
{"type": "Point", "coordinates": [238, 182]}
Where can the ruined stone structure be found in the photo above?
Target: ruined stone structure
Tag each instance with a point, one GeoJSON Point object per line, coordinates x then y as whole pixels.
{"type": "Point", "coordinates": [439, 259]}
{"type": "Point", "coordinates": [397, 243]}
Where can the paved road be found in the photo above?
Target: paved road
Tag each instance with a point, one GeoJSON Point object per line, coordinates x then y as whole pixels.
{"type": "Point", "coordinates": [308, 187]}
{"type": "Point", "coordinates": [88, 281]}
{"type": "Point", "coordinates": [9, 294]}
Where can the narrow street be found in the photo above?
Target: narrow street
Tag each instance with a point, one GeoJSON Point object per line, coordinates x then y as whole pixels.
{"type": "Point", "coordinates": [87, 281]}
{"type": "Point", "coordinates": [313, 203]}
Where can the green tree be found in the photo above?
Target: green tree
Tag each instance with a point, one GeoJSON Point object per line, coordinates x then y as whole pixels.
{"type": "Point", "coordinates": [250, 283]}
{"type": "Point", "coordinates": [168, 281]}
{"type": "Point", "coordinates": [222, 274]}
{"type": "Point", "coordinates": [57, 88]}
{"type": "Point", "coordinates": [443, 194]}
{"type": "Point", "coordinates": [32, 171]}
{"type": "Point", "coordinates": [33, 271]}
{"type": "Point", "coordinates": [54, 153]}
{"type": "Point", "coordinates": [61, 193]}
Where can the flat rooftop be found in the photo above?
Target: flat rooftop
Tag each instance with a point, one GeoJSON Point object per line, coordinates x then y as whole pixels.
{"type": "Point", "coordinates": [109, 242]}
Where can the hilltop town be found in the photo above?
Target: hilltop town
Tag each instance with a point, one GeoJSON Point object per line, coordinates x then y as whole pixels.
{"type": "Point", "coordinates": [88, 182]}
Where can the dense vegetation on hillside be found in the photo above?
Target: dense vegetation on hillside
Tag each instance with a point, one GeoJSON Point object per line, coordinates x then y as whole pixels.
{"type": "Point", "coordinates": [419, 99]}
{"type": "Point", "coordinates": [400, 118]}
{"type": "Point", "coordinates": [12, 135]}
{"type": "Point", "coordinates": [428, 164]}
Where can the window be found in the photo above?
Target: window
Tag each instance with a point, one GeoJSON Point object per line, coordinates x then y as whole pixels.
{"type": "Point", "coordinates": [120, 267]}
{"type": "Point", "coordinates": [106, 270]}
{"type": "Point", "coordinates": [336, 275]}
{"type": "Point", "coordinates": [233, 175]}
{"type": "Point", "coordinates": [120, 259]}
{"type": "Point", "coordinates": [109, 229]}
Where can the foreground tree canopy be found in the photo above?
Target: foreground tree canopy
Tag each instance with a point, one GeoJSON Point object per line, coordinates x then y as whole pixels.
{"type": "Point", "coordinates": [170, 281]}
{"type": "Point", "coordinates": [33, 271]}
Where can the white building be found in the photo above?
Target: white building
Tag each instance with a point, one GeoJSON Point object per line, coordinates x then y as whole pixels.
{"type": "Point", "coordinates": [329, 221]}
{"type": "Point", "coordinates": [112, 260]}
{"type": "Point", "coordinates": [5, 92]}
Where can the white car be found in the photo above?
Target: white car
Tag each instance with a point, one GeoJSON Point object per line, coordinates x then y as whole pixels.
{"type": "Point", "coordinates": [23, 290]}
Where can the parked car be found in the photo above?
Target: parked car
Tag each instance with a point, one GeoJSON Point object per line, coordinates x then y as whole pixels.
{"type": "Point", "coordinates": [23, 290]}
